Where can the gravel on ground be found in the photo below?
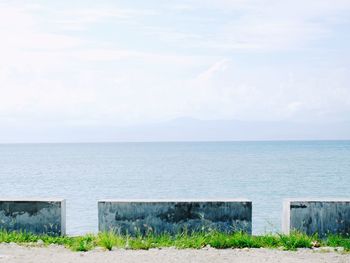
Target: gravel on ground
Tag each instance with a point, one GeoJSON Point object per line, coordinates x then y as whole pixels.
{"type": "Point", "coordinates": [13, 253]}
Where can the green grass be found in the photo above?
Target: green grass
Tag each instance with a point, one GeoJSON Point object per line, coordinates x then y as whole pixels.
{"type": "Point", "coordinates": [338, 241]}
{"type": "Point", "coordinates": [297, 240]}
{"type": "Point", "coordinates": [110, 240]}
{"type": "Point", "coordinates": [83, 243]}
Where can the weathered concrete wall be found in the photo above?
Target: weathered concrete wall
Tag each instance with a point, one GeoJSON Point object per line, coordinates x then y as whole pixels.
{"type": "Point", "coordinates": [142, 216]}
{"type": "Point", "coordinates": [316, 216]}
{"type": "Point", "coordinates": [35, 216]}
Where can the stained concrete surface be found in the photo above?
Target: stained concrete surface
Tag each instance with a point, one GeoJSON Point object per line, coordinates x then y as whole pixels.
{"type": "Point", "coordinates": [319, 216]}
{"type": "Point", "coordinates": [141, 217]}
{"type": "Point", "coordinates": [34, 216]}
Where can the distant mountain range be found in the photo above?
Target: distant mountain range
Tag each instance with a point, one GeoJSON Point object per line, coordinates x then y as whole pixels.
{"type": "Point", "coordinates": [186, 129]}
{"type": "Point", "coordinates": [183, 129]}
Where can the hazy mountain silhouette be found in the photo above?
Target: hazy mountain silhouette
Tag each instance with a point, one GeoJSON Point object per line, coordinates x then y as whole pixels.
{"type": "Point", "coordinates": [185, 129]}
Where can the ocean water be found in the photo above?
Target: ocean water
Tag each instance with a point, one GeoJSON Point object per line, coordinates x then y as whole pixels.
{"type": "Point", "coordinates": [265, 172]}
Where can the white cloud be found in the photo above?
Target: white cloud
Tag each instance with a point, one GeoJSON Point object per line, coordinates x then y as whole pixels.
{"type": "Point", "coordinates": [250, 33]}
{"type": "Point", "coordinates": [220, 65]}
{"type": "Point", "coordinates": [259, 25]}
{"type": "Point", "coordinates": [124, 54]}
{"type": "Point", "coordinates": [80, 19]}
{"type": "Point", "coordinates": [19, 31]}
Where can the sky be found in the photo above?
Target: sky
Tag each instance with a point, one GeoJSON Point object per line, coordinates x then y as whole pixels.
{"type": "Point", "coordinates": [72, 66]}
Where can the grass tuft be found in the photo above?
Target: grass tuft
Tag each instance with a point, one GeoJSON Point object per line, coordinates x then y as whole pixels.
{"type": "Point", "coordinates": [338, 241]}
{"type": "Point", "coordinates": [106, 240]}
{"type": "Point", "coordinates": [83, 243]}
{"type": "Point", "coordinates": [296, 240]}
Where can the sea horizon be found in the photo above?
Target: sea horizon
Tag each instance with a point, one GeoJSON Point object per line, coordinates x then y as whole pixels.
{"type": "Point", "coordinates": [183, 141]}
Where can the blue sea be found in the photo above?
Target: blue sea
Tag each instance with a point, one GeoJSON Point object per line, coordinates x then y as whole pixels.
{"type": "Point", "coordinates": [265, 172]}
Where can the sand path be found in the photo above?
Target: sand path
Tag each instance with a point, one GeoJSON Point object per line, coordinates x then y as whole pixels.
{"type": "Point", "coordinates": [12, 253]}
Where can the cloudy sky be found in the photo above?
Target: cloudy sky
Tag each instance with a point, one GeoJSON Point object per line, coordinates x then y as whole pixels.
{"type": "Point", "coordinates": [124, 63]}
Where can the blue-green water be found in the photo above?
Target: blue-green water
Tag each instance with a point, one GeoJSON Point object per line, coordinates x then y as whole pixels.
{"type": "Point", "coordinates": [265, 172]}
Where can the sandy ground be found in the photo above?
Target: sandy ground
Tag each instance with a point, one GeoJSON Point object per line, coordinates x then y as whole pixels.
{"type": "Point", "coordinates": [12, 253]}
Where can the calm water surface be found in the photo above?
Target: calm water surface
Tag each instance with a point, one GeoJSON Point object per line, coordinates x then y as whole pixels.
{"type": "Point", "coordinates": [265, 172]}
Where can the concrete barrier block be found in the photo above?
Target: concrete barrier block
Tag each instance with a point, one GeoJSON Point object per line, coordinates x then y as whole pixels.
{"type": "Point", "coordinates": [37, 216]}
{"type": "Point", "coordinates": [322, 216]}
{"type": "Point", "coordinates": [144, 216]}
